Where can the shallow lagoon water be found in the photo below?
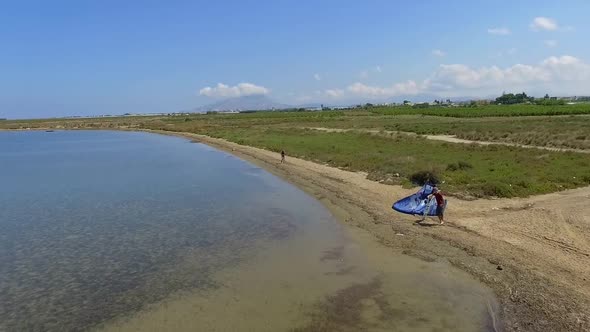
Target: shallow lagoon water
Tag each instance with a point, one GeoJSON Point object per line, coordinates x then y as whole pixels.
{"type": "Point", "coordinates": [125, 231]}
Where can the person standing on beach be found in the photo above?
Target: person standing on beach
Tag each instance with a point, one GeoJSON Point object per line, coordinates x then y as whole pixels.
{"type": "Point", "coordinates": [282, 156]}
{"type": "Point", "coordinates": [440, 204]}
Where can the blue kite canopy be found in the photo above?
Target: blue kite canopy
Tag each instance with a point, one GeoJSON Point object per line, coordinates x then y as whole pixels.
{"type": "Point", "coordinates": [418, 204]}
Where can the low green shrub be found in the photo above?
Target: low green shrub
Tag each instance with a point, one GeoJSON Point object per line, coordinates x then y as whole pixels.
{"type": "Point", "coordinates": [459, 166]}
{"type": "Point", "coordinates": [423, 177]}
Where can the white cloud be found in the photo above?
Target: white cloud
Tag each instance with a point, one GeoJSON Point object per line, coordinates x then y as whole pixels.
{"type": "Point", "coordinates": [544, 23]}
{"type": "Point", "coordinates": [461, 76]}
{"type": "Point", "coordinates": [438, 53]}
{"type": "Point", "coordinates": [567, 68]}
{"type": "Point", "coordinates": [360, 89]}
{"type": "Point", "coordinates": [378, 69]}
{"type": "Point", "coordinates": [499, 31]}
{"type": "Point", "coordinates": [562, 60]}
{"type": "Point", "coordinates": [550, 43]}
{"type": "Point", "coordinates": [317, 77]}
{"type": "Point", "coordinates": [554, 73]}
{"type": "Point", "coordinates": [239, 90]}
{"type": "Point", "coordinates": [560, 74]}
{"type": "Point", "coordinates": [334, 93]}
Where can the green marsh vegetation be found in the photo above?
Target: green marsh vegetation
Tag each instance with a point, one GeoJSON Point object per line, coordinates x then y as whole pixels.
{"type": "Point", "coordinates": [466, 169]}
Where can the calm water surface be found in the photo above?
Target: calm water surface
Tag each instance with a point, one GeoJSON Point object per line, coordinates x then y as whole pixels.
{"type": "Point", "coordinates": [123, 231]}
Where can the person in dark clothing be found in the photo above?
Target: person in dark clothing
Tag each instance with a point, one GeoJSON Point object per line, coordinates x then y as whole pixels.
{"type": "Point", "coordinates": [282, 156]}
{"type": "Point", "coordinates": [440, 204]}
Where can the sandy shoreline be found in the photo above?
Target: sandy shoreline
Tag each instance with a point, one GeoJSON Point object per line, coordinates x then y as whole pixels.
{"type": "Point", "coordinates": [534, 252]}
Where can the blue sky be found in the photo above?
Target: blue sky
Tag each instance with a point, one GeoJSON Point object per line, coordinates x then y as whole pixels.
{"type": "Point", "coordinates": [110, 57]}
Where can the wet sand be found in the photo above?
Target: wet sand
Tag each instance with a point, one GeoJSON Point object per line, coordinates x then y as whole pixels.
{"type": "Point", "coordinates": [327, 281]}
{"type": "Point", "coordinates": [533, 252]}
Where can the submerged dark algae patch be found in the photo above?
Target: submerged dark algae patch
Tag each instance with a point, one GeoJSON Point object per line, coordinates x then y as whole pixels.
{"type": "Point", "coordinates": [359, 307]}
{"type": "Point", "coordinates": [342, 271]}
{"type": "Point", "coordinates": [336, 253]}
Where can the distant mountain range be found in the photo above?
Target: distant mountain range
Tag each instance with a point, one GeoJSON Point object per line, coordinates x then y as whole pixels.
{"type": "Point", "coordinates": [246, 103]}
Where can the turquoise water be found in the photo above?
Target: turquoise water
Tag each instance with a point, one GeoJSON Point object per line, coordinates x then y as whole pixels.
{"type": "Point", "coordinates": [98, 227]}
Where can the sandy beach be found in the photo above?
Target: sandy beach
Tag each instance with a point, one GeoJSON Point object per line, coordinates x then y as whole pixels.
{"type": "Point", "coordinates": [533, 252]}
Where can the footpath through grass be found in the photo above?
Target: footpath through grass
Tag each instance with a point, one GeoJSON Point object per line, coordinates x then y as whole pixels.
{"type": "Point", "coordinates": [480, 171]}
{"type": "Point", "coordinates": [557, 131]}
{"type": "Point", "coordinates": [569, 131]}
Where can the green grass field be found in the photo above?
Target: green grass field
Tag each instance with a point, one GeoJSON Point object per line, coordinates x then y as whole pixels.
{"type": "Point", "coordinates": [561, 131]}
{"type": "Point", "coordinates": [550, 131]}
{"type": "Point", "coordinates": [487, 110]}
{"type": "Point", "coordinates": [466, 169]}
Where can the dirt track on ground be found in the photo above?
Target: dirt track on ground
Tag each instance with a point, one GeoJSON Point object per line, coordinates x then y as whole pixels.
{"type": "Point", "coordinates": [534, 252]}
